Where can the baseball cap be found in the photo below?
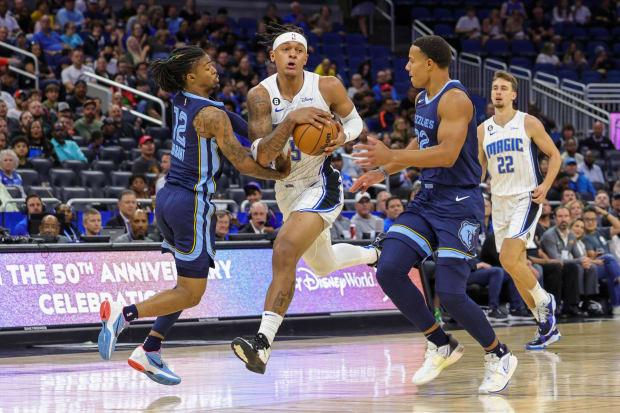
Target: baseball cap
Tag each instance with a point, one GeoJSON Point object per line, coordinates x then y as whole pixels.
{"type": "Point", "coordinates": [62, 106]}
{"type": "Point", "coordinates": [4, 62]}
{"type": "Point", "coordinates": [109, 121]}
{"type": "Point", "coordinates": [144, 139]}
{"type": "Point", "coordinates": [21, 93]}
{"type": "Point", "coordinates": [569, 161]}
{"type": "Point", "coordinates": [386, 87]}
{"type": "Point", "coordinates": [360, 195]}
{"type": "Point", "coordinates": [253, 184]}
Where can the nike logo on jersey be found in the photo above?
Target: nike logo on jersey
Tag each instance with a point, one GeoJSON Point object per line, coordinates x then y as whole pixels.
{"type": "Point", "coordinates": [459, 199]}
{"type": "Point", "coordinates": [491, 133]}
{"type": "Point", "coordinates": [279, 110]}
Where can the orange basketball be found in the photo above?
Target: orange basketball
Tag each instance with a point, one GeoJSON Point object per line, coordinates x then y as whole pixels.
{"type": "Point", "coordinates": [311, 140]}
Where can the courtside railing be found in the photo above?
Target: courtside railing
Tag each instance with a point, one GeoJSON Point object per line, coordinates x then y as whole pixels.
{"type": "Point", "coordinates": [390, 18]}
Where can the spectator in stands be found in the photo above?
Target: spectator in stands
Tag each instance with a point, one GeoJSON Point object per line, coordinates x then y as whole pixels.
{"type": "Point", "coordinates": [362, 10]}
{"type": "Point", "coordinates": [567, 60]}
{"type": "Point", "coordinates": [271, 15]}
{"type": "Point", "coordinates": [165, 167]}
{"type": "Point", "coordinates": [135, 53]}
{"type": "Point", "coordinates": [568, 195]}
{"type": "Point", "coordinates": [575, 209]}
{"type": "Point", "coordinates": [539, 28]}
{"type": "Point", "coordinates": [380, 206]}
{"type": "Point", "coordinates": [19, 145]}
{"type": "Point", "coordinates": [69, 14]}
{"type": "Point", "coordinates": [253, 193]}
{"type": "Point", "coordinates": [510, 5]}
{"type": "Point", "coordinates": [6, 18]}
{"type": "Point", "coordinates": [146, 163]}
{"type": "Point", "coordinates": [570, 144]}
{"type": "Point", "coordinates": [110, 132]}
{"type": "Point", "coordinates": [514, 27]}
{"type": "Point", "coordinates": [603, 62]}
{"type": "Point", "coordinates": [50, 229]}
{"type": "Point", "coordinates": [87, 124]}
{"type": "Point", "coordinates": [367, 226]}
{"type": "Point", "coordinates": [401, 132]}
{"type": "Point", "coordinates": [66, 226]}
{"type": "Point", "coordinates": [597, 141]}
{"type": "Point", "coordinates": [562, 13]}
{"type": "Point", "coordinates": [408, 102]}
{"type": "Point", "coordinates": [341, 228]}
{"type": "Point", "coordinates": [49, 39]}
{"type": "Point", "coordinates": [381, 81]}
{"type": "Point", "coordinates": [138, 224]}
{"type": "Point", "coordinates": [468, 25]}
{"type": "Point", "coordinates": [559, 185]}
{"type": "Point", "coordinates": [320, 22]}
{"type": "Point", "coordinates": [324, 68]}
{"type": "Point", "coordinates": [127, 205]}
{"type": "Point", "coordinates": [393, 208]}
{"type": "Point", "coordinates": [51, 94]}
{"type": "Point", "coordinates": [91, 219]}
{"type": "Point", "coordinates": [547, 55]}
{"type": "Point", "coordinates": [39, 114]}
{"type": "Point", "coordinates": [545, 217]}
{"type": "Point", "coordinates": [65, 149]}
{"type": "Point", "coordinates": [137, 183]}
{"type": "Point", "coordinates": [559, 243]}
{"type": "Point", "coordinates": [605, 15]}
{"type": "Point", "coordinates": [96, 143]}
{"type": "Point", "coordinates": [78, 98]}
{"type": "Point", "coordinates": [257, 220]}
{"type": "Point", "coordinates": [154, 110]}
{"type": "Point", "coordinates": [581, 13]}
{"type": "Point", "coordinates": [492, 27]}
{"type": "Point", "coordinates": [34, 205]}
{"type": "Point", "coordinates": [591, 170]}
{"type": "Point", "coordinates": [4, 137]}
{"type": "Point", "coordinates": [222, 225]}
{"type": "Point", "coordinates": [39, 143]}
{"type": "Point", "coordinates": [535, 111]}
{"type": "Point", "coordinates": [8, 164]}
{"type": "Point", "coordinates": [295, 17]}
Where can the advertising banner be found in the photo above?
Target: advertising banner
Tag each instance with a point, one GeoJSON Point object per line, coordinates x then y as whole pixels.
{"type": "Point", "coordinates": [614, 133]}
{"type": "Point", "coordinates": [63, 288]}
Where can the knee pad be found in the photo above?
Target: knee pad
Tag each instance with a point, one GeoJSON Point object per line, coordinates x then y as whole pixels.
{"type": "Point", "coordinates": [451, 275]}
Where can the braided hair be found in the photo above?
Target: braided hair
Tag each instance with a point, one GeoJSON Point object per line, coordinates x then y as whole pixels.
{"type": "Point", "coordinates": [275, 29]}
{"type": "Point", "coordinates": [170, 74]}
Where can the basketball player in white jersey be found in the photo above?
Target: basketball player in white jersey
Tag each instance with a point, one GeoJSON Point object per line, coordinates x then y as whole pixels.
{"type": "Point", "coordinates": [508, 146]}
{"type": "Point", "coordinates": [311, 197]}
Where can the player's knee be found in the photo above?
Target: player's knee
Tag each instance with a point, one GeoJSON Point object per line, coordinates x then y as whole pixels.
{"type": "Point", "coordinates": [508, 259]}
{"type": "Point", "coordinates": [285, 255]}
{"type": "Point", "coordinates": [191, 297]}
{"type": "Point", "coordinates": [388, 271]}
{"type": "Point", "coordinates": [452, 301]}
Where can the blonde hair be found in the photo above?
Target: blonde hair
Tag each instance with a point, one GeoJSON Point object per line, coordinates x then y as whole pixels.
{"type": "Point", "coordinates": [502, 74]}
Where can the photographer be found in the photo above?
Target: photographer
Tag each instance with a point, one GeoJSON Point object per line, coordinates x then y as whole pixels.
{"type": "Point", "coordinates": [34, 205]}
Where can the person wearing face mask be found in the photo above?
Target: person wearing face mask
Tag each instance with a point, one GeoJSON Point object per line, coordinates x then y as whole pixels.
{"type": "Point", "coordinates": [65, 149]}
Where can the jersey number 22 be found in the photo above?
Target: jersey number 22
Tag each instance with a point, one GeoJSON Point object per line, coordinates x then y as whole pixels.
{"type": "Point", "coordinates": [504, 165]}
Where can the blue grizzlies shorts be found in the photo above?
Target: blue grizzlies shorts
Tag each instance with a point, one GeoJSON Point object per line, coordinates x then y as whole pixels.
{"type": "Point", "coordinates": [186, 221]}
{"type": "Point", "coordinates": [446, 219]}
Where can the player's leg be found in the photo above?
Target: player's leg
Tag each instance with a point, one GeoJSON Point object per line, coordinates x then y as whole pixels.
{"type": "Point", "coordinates": [295, 236]}
{"type": "Point", "coordinates": [407, 242]}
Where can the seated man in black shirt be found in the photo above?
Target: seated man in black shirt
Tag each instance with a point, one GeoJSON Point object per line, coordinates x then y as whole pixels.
{"type": "Point", "coordinates": [146, 163]}
{"type": "Point", "coordinates": [597, 141]}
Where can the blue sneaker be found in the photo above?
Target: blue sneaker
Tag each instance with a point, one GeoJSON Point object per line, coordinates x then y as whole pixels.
{"type": "Point", "coordinates": [546, 317]}
{"type": "Point", "coordinates": [113, 323]}
{"type": "Point", "coordinates": [151, 364]}
{"type": "Point", "coordinates": [540, 341]}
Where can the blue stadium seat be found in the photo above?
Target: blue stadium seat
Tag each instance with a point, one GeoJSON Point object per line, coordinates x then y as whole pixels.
{"type": "Point", "coordinates": [472, 46]}
{"type": "Point", "coordinates": [399, 63]}
{"type": "Point", "coordinates": [546, 68]}
{"type": "Point", "coordinates": [313, 61]}
{"type": "Point", "coordinates": [444, 30]}
{"type": "Point", "coordinates": [615, 32]}
{"type": "Point", "coordinates": [355, 39]}
{"type": "Point", "coordinates": [443, 15]}
{"type": "Point", "coordinates": [600, 33]}
{"type": "Point", "coordinates": [521, 62]}
{"type": "Point", "coordinates": [617, 49]}
{"type": "Point", "coordinates": [332, 50]}
{"type": "Point", "coordinates": [313, 40]}
{"type": "Point", "coordinates": [497, 48]}
{"type": "Point", "coordinates": [356, 50]}
{"type": "Point", "coordinates": [379, 51]}
{"type": "Point", "coordinates": [422, 14]}
{"type": "Point", "coordinates": [380, 64]}
{"type": "Point", "coordinates": [104, 166]}
{"type": "Point", "coordinates": [480, 104]}
{"type": "Point", "coordinates": [591, 76]}
{"type": "Point", "coordinates": [113, 153]}
{"type": "Point", "coordinates": [402, 88]}
{"type": "Point", "coordinates": [613, 76]}
{"type": "Point", "coordinates": [60, 177]}
{"type": "Point", "coordinates": [42, 166]}
{"type": "Point", "coordinates": [79, 140]}
{"type": "Point", "coordinates": [158, 133]}
{"type": "Point", "coordinates": [162, 55]}
{"type": "Point", "coordinates": [331, 38]}
{"type": "Point", "coordinates": [482, 14]}
{"type": "Point", "coordinates": [579, 33]}
{"type": "Point", "coordinates": [593, 45]}
{"type": "Point", "coordinates": [458, 13]}
{"type": "Point", "coordinates": [128, 143]}
{"type": "Point", "coordinates": [113, 191]}
{"type": "Point", "coordinates": [95, 181]}
{"type": "Point", "coordinates": [120, 178]}
{"type": "Point", "coordinates": [75, 165]}
{"type": "Point", "coordinates": [400, 75]}
{"type": "Point", "coordinates": [30, 177]}
{"type": "Point", "coordinates": [568, 74]}
{"type": "Point", "coordinates": [355, 62]}
{"type": "Point", "coordinates": [68, 193]}
{"type": "Point", "coordinates": [523, 48]}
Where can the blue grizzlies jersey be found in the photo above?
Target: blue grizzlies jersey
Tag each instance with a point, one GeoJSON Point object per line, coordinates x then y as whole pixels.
{"type": "Point", "coordinates": [466, 171]}
{"type": "Point", "coordinates": [195, 162]}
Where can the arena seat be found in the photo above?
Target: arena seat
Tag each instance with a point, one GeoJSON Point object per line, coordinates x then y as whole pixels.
{"type": "Point", "coordinates": [60, 177]}
{"type": "Point", "coordinates": [29, 177]}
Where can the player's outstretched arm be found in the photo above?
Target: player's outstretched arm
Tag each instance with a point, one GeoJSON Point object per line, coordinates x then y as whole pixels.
{"type": "Point", "coordinates": [212, 122]}
{"type": "Point", "coordinates": [455, 111]}
{"type": "Point", "coordinates": [482, 157]}
{"type": "Point", "coordinates": [272, 141]}
{"type": "Point", "coordinates": [536, 131]}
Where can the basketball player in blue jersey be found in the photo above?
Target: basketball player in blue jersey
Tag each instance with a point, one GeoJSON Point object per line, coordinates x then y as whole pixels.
{"type": "Point", "coordinates": [201, 134]}
{"type": "Point", "coordinates": [311, 197]}
{"type": "Point", "coordinates": [445, 216]}
{"type": "Point", "coordinates": [508, 144]}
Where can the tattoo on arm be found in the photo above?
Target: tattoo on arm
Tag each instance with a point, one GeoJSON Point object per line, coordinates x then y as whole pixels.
{"type": "Point", "coordinates": [211, 122]}
{"type": "Point", "coordinates": [283, 299]}
{"type": "Point", "coordinates": [259, 124]}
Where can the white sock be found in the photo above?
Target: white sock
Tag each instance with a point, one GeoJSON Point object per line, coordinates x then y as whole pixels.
{"type": "Point", "coordinates": [269, 325]}
{"type": "Point", "coordinates": [539, 295]}
{"type": "Point", "coordinates": [534, 313]}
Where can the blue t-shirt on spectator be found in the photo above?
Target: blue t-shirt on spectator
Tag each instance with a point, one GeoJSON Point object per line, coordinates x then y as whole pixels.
{"type": "Point", "coordinates": [49, 43]}
{"type": "Point", "coordinates": [65, 16]}
{"type": "Point", "coordinates": [291, 19]}
{"type": "Point", "coordinates": [582, 184]}
{"type": "Point", "coordinates": [69, 151]}
{"type": "Point", "coordinates": [15, 180]}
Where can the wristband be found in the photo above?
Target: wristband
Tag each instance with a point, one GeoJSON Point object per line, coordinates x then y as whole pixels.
{"type": "Point", "coordinates": [384, 172]}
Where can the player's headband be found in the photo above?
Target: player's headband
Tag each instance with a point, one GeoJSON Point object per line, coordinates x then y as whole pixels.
{"type": "Point", "coordinates": [290, 37]}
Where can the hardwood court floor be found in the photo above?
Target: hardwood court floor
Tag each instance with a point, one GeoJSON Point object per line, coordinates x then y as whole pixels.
{"type": "Point", "coordinates": [361, 374]}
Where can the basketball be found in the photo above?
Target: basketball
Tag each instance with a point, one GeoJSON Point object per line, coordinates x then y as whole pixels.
{"type": "Point", "coordinates": [311, 140]}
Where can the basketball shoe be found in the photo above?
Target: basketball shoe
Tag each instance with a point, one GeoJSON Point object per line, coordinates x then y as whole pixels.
{"type": "Point", "coordinates": [151, 364]}
{"type": "Point", "coordinates": [547, 332]}
{"type": "Point", "coordinates": [540, 342]}
{"type": "Point", "coordinates": [377, 244]}
{"type": "Point", "coordinates": [254, 352]}
{"type": "Point", "coordinates": [498, 372]}
{"type": "Point", "coordinates": [436, 359]}
{"type": "Point", "coordinates": [113, 322]}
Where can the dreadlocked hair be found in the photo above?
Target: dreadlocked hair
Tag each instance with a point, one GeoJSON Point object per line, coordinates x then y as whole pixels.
{"type": "Point", "coordinates": [170, 74]}
{"type": "Point", "coordinates": [275, 29]}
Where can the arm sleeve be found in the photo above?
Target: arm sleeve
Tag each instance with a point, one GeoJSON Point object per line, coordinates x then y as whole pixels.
{"type": "Point", "coordinates": [352, 125]}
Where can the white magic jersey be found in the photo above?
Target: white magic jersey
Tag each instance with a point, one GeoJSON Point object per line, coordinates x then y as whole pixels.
{"type": "Point", "coordinates": [512, 157]}
{"type": "Point", "coordinates": [302, 166]}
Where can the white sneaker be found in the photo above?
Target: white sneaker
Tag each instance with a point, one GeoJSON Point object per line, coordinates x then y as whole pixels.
{"type": "Point", "coordinates": [113, 322]}
{"type": "Point", "coordinates": [151, 364]}
{"type": "Point", "coordinates": [436, 359]}
{"type": "Point", "coordinates": [498, 372]}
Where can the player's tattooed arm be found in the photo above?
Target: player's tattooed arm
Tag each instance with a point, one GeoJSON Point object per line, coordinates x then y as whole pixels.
{"type": "Point", "coordinates": [272, 141]}
{"type": "Point", "coordinates": [211, 122]}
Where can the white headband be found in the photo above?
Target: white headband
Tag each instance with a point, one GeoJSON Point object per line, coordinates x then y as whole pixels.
{"type": "Point", "coordinates": [290, 37]}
